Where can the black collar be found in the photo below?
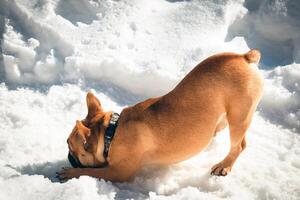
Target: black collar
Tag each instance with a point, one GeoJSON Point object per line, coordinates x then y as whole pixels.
{"type": "Point", "coordinates": [110, 132]}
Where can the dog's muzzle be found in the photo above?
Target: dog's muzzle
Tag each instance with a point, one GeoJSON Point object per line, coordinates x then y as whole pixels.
{"type": "Point", "coordinates": [74, 161]}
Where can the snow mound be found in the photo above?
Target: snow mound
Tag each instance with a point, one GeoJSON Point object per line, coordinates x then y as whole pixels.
{"type": "Point", "coordinates": [273, 27]}
{"type": "Point", "coordinates": [94, 41]}
{"type": "Point", "coordinates": [281, 100]}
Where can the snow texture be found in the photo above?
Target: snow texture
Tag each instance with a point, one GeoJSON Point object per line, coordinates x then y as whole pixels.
{"type": "Point", "coordinates": [53, 51]}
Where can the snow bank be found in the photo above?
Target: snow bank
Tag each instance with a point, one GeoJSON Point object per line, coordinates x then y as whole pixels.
{"type": "Point", "coordinates": [273, 26]}
{"type": "Point", "coordinates": [144, 47]}
{"type": "Point", "coordinates": [281, 100]}
{"type": "Point", "coordinates": [129, 50]}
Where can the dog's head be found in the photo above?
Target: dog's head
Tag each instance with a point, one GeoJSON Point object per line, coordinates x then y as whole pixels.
{"type": "Point", "coordinates": [86, 141]}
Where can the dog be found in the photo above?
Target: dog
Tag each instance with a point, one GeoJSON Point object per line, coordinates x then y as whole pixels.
{"type": "Point", "coordinates": [222, 90]}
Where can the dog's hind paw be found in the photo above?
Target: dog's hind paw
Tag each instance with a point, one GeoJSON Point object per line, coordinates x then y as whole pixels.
{"type": "Point", "coordinates": [220, 169]}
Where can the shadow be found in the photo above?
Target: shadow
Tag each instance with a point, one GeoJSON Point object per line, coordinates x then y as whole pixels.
{"type": "Point", "coordinates": [48, 169]}
{"type": "Point", "coordinates": [77, 11]}
{"type": "Point", "coordinates": [117, 94]}
{"type": "Point", "coordinates": [148, 180]}
{"type": "Point", "coordinates": [137, 189]}
{"type": "Point", "coordinates": [174, 1]}
{"type": "Point", "coordinates": [257, 29]}
{"type": "Point", "coordinates": [3, 9]}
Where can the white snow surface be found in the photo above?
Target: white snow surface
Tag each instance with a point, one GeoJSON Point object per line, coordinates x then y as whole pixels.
{"type": "Point", "coordinates": [54, 51]}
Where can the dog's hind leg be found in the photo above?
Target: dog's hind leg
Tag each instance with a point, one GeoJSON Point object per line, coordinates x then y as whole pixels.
{"type": "Point", "coordinates": [239, 118]}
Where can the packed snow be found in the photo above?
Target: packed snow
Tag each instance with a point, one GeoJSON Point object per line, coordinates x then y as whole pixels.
{"type": "Point", "coordinates": [54, 51]}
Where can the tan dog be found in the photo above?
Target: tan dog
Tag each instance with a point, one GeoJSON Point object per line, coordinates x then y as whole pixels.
{"type": "Point", "coordinates": [174, 127]}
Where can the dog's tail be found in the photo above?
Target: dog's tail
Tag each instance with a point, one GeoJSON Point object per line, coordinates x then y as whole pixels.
{"type": "Point", "coordinates": [252, 56]}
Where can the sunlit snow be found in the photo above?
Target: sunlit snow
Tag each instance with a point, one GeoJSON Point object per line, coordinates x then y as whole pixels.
{"type": "Point", "coordinates": [54, 51]}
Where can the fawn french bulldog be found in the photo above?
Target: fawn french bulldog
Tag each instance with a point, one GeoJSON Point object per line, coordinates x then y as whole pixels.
{"type": "Point", "coordinates": [222, 90]}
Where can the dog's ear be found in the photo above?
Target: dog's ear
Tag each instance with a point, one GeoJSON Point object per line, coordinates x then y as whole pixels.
{"type": "Point", "coordinates": [83, 131]}
{"type": "Point", "coordinates": [93, 105]}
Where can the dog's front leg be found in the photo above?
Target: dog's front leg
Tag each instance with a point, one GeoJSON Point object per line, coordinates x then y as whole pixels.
{"type": "Point", "coordinates": [108, 173]}
{"type": "Point", "coordinates": [69, 173]}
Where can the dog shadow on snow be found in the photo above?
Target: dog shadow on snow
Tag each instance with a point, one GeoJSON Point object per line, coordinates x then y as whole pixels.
{"type": "Point", "coordinates": [151, 179]}
{"type": "Point", "coordinates": [47, 169]}
{"type": "Point", "coordinates": [160, 179]}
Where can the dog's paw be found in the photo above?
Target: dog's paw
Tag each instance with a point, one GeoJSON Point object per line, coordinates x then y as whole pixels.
{"type": "Point", "coordinates": [220, 169]}
{"type": "Point", "coordinates": [67, 173]}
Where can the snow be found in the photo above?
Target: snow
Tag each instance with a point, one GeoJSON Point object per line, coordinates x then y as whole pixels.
{"type": "Point", "coordinates": [281, 101]}
{"type": "Point", "coordinates": [54, 51]}
{"type": "Point", "coordinates": [273, 27]}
